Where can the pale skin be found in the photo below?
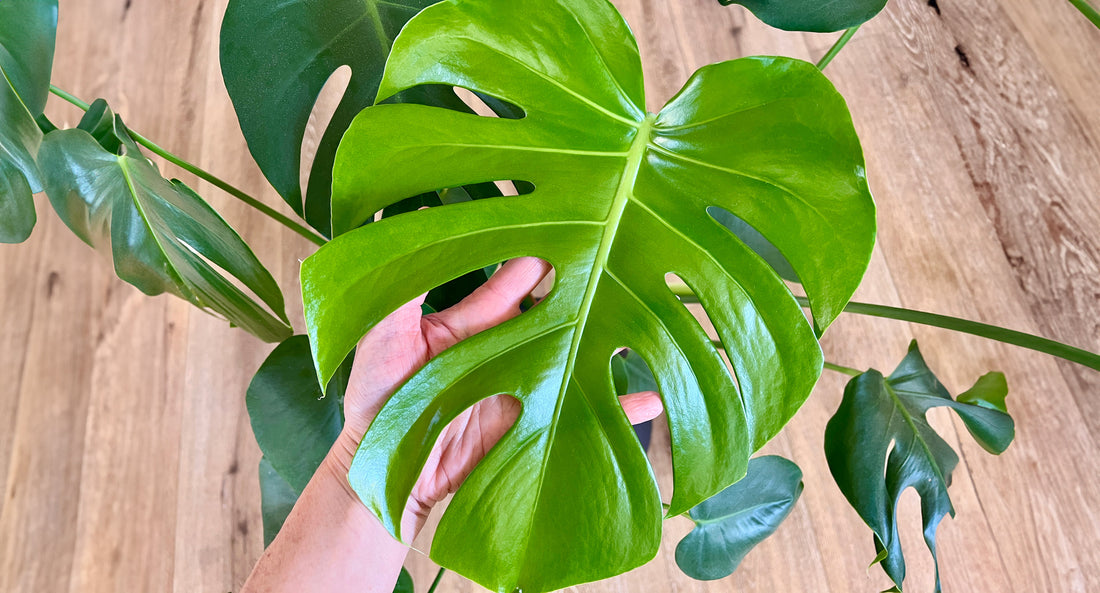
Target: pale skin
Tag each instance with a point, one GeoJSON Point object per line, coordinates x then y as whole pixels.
{"type": "Point", "coordinates": [331, 543]}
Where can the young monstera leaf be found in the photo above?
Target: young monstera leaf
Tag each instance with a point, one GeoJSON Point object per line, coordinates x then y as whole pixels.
{"type": "Point", "coordinates": [731, 523]}
{"type": "Point", "coordinates": [619, 199]}
{"type": "Point", "coordinates": [27, 32]}
{"type": "Point", "coordinates": [162, 236]}
{"type": "Point", "coordinates": [812, 15]}
{"type": "Point", "coordinates": [879, 444]}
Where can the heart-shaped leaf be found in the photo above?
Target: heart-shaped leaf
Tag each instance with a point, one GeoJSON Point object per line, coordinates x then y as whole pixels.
{"type": "Point", "coordinates": [295, 423]}
{"type": "Point", "coordinates": [879, 443]}
{"type": "Point", "coordinates": [619, 199]}
{"type": "Point", "coordinates": [731, 523]}
{"type": "Point", "coordinates": [163, 237]}
{"type": "Point", "coordinates": [812, 15]}
{"type": "Point", "coordinates": [27, 32]}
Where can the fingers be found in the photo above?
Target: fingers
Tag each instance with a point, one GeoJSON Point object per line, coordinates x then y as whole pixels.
{"type": "Point", "coordinates": [640, 407]}
{"type": "Point", "coordinates": [497, 300]}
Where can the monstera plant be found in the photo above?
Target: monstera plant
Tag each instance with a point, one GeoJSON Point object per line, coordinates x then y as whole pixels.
{"type": "Point", "coordinates": [748, 186]}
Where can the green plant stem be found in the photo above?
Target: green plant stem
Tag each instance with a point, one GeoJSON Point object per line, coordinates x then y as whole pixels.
{"type": "Point", "coordinates": [843, 369]}
{"type": "Point", "coordinates": [205, 175]}
{"type": "Point", "coordinates": [1086, 9]}
{"type": "Point", "coordinates": [840, 43]}
{"type": "Point", "coordinates": [974, 328]}
{"type": "Point", "coordinates": [828, 365]}
{"type": "Point", "coordinates": [438, 576]}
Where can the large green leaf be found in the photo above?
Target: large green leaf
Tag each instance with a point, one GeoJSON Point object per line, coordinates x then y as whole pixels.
{"type": "Point", "coordinates": [731, 523]}
{"type": "Point", "coordinates": [619, 198]}
{"type": "Point", "coordinates": [879, 444]}
{"type": "Point", "coordinates": [27, 32]}
{"type": "Point", "coordinates": [163, 237]}
{"type": "Point", "coordinates": [812, 15]}
{"type": "Point", "coordinates": [295, 423]}
{"type": "Point", "coordinates": [276, 58]}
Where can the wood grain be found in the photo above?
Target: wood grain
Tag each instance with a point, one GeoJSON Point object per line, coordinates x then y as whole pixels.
{"type": "Point", "coordinates": [126, 458]}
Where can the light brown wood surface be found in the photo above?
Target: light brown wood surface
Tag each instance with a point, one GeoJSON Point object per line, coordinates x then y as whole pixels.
{"type": "Point", "coordinates": [127, 462]}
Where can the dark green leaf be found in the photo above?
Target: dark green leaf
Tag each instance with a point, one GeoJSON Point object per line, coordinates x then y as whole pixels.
{"type": "Point", "coordinates": [277, 498]}
{"type": "Point", "coordinates": [290, 49]}
{"type": "Point", "coordinates": [404, 583]}
{"type": "Point", "coordinates": [731, 523]}
{"type": "Point", "coordinates": [812, 15]}
{"type": "Point", "coordinates": [879, 444]}
{"type": "Point", "coordinates": [163, 237]}
{"type": "Point", "coordinates": [17, 215]}
{"type": "Point", "coordinates": [27, 32]}
{"type": "Point", "coordinates": [620, 198]}
{"type": "Point", "coordinates": [28, 29]}
{"type": "Point", "coordinates": [294, 422]}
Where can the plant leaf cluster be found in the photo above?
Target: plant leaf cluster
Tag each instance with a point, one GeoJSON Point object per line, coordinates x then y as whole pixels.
{"type": "Point", "coordinates": [879, 444]}
{"type": "Point", "coordinates": [766, 139]}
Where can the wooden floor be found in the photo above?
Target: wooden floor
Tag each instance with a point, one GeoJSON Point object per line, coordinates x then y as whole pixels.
{"type": "Point", "coordinates": [127, 462]}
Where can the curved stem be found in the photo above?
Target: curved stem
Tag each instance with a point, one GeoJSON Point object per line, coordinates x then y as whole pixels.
{"type": "Point", "coordinates": [1086, 9]}
{"type": "Point", "coordinates": [828, 365]}
{"type": "Point", "coordinates": [974, 328]}
{"type": "Point", "coordinates": [207, 176]}
{"type": "Point", "coordinates": [843, 369]}
{"type": "Point", "coordinates": [438, 576]}
{"type": "Point", "coordinates": [839, 45]}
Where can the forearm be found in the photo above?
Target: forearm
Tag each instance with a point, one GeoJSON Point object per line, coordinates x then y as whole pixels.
{"type": "Point", "coordinates": [330, 543]}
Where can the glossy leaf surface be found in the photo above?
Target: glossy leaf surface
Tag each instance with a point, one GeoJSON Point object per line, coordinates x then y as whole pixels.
{"type": "Point", "coordinates": [731, 523]}
{"type": "Point", "coordinates": [812, 15]}
{"type": "Point", "coordinates": [162, 236]}
{"type": "Point", "coordinates": [27, 32]}
{"type": "Point", "coordinates": [295, 423]}
{"type": "Point", "coordinates": [277, 57]}
{"type": "Point", "coordinates": [619, 198]}
{"type": "Point", "coordinates": [879, 443]}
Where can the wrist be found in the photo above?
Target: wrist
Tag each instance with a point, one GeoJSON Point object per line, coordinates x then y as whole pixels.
{"type": "Point", "coordinates": [334, 470]}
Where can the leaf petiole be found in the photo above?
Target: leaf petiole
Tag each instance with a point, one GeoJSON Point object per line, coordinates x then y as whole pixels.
{"type": "Point", "coordinates": [1086, 9]}
{"type": "Point", "coordinates": [205, 175]}
{"type": "Point", "coordinates": [843, 369]}
{"type": "Point", "coordinates": [839, 45]}
{"type": "Point", "coordinates": [966, 326]}
{"type": "Point", "coordinates": [438, 577]}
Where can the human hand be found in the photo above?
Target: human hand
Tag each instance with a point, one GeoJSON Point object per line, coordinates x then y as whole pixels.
{"type": "Point", "coordinates": [405, 341]}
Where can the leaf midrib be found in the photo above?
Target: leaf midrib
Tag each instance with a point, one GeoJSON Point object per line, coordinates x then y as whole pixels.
{"type": "Point", "coordinates": [611, 223]}
{"type": "Point", "coordinates": [900, 406]}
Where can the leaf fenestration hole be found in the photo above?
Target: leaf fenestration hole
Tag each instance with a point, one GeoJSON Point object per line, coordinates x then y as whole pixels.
{"type": "Point", "coordinates": [463, 444]}
{"type": "Point", "coordinates": [631, 374]}
{"type": "Point", "coordinates": [756, 241]}
{"type": "Point", "coordinates": [231, 279]}
{"type": "Point", "coordinates": [319, 117]}
{"type": "Point", "coordinates": [700, 314]}
{"type": "Point", "coordinates": [489, 106]}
